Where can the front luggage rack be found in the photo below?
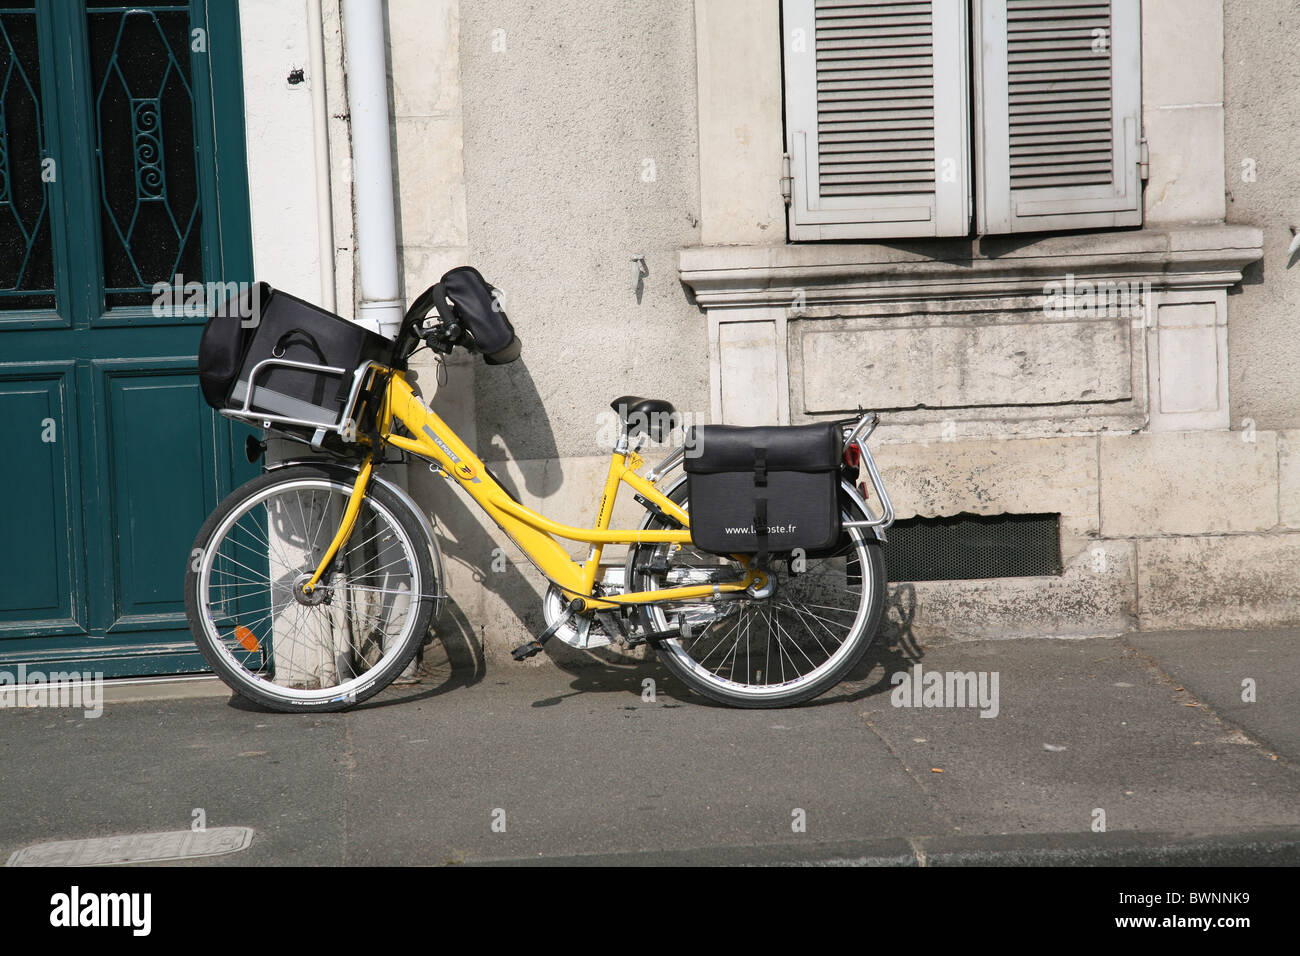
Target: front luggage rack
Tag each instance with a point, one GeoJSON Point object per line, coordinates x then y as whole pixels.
{"type": "Point", "coordinates": [345, 426]}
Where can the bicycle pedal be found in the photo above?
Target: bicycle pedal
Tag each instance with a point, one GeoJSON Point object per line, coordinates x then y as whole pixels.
{"type": "Point", "coordinates": [525, 651]}
{"type": "Point", "coordinates": [654, 637]}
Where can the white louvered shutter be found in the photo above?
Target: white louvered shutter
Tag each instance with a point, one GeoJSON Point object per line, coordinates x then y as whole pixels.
{"type": "Point", "coordinates": [1058, 125]}
{"type": "Point", "coordinates": [877, 124]}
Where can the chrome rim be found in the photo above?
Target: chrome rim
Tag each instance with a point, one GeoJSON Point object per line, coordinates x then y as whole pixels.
{"type": "Point", "coordinates": [767, 647]}
{"type": "Point", "coordinates": [328, 645]}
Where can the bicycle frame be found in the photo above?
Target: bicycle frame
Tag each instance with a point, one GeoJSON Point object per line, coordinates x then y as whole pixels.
{"type": "Point", "coordinates": [534, 533]}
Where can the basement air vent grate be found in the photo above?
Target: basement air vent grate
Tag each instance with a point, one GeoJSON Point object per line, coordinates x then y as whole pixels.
{"type": "Point", "coordinates": [971, 547]}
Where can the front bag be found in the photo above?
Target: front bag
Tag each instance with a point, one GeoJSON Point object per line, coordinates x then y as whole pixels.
{"type": "Point", "coordinates": [765, 489]}
{"type": "Point", "coordinates": [268, 324]}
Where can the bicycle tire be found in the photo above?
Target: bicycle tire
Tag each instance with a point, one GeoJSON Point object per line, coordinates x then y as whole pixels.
{"type": "Point", "coordinates": [276, 660]}
{"type": "Point", "coordinates": [683, 663]}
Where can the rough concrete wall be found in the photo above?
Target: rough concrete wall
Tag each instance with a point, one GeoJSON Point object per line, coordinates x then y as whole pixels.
{"type": "Point", "coordinates": [546, 144]}
{"type": "Point", "coordinates": [428, 172]}
{"type": "Point", "coordinates": [428, 176]}
{"type": "Point", "coordinates": [580, 153]}
{"type": "Point", "coordinates": [1262, 95]}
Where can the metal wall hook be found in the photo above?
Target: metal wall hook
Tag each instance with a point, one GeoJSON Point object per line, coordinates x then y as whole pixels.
{"type": "Point", "coordinates": [640, 273]}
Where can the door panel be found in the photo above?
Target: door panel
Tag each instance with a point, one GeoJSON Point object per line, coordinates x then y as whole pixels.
{"type": "Point", "coordinates": [154, 507]}
{"type": "Point", "coordinates": [27, 247]}
{"type": "Point", "coordinates": [145, 132]}
{"type": "Point", "coordinates": [114, 122]}
{"type": "Point", "coordinates": [39, 527]}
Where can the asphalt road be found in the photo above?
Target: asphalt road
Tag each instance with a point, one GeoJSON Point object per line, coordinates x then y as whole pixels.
{"type": "Point", "coordinates": [538, 764]}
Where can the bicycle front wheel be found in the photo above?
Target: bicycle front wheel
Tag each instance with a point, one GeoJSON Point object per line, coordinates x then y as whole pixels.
{"type": "Point", "coordinates": [786, 647]}
{"type": "Point", "coordinates": [347, 639]}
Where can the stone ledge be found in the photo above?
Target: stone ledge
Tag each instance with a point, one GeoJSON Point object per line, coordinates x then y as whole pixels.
{"type": "Point", "coordinates": [1190, 256]}
{"type": "Point", "coordinates": [993, 477]}
{"type": "Point", "coordinates": [1096, 595]}
{"type": "Point", "coordinates": [1181, 483]}
{"type": "Point", "coordinates": [1228, 581]}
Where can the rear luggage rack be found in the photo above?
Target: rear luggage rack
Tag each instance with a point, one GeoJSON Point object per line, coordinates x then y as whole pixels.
{"type": "Point", "coordinates": [859, 433]}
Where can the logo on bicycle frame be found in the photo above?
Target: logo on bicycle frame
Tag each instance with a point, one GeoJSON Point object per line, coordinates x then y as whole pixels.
{"type": "Point", "coordinates": [463, 469]}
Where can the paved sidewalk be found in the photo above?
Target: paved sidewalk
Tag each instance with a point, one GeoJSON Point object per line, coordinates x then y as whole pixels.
{"type": "Point", "coordinates": [1149, 729]}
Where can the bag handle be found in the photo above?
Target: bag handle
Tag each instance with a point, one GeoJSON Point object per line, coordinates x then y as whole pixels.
{"type": "Point", "coordinates": [278, 349]}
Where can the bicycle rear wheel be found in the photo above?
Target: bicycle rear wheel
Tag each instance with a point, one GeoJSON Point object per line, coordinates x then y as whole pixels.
{"type": "Point", "coordinates": [346, 640]}
{"type": "Point", "coordinates": [773, 651]}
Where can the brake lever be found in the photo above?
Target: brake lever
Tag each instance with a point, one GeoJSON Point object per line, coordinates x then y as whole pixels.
{"type": "Point", "coordinates": [443, 338]}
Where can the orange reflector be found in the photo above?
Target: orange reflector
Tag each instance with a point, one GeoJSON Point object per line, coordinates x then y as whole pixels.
{"type": "Point", "coordinates": [247, 639]}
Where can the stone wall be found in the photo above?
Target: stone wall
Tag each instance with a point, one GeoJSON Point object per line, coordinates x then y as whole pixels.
{"type": "Point", "coordinates": [1263, 188]}
{"type": "Point", "coordinates": [550, 144]}
{"type": "Point", "coordinates": [1176, 510]}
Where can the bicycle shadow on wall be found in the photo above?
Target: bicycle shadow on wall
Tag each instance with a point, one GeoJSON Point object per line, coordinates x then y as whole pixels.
{"type": "Point", "coordinates": [895, 648]}
{"type": "Point", "coordinates": [467, 545]}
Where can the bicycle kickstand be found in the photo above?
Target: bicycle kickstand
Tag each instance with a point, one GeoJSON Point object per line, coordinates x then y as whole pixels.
{"type": "Point", "coordinates": [525, 651]}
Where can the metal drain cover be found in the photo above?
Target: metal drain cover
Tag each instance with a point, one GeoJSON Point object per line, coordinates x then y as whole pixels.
{"type": "Point", "coordinates": [135, 848]}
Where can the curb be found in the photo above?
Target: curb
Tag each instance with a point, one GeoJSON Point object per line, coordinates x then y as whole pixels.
{"type": "Point", "coordinates": [1279, 847]}
{"type": "Point", "coordinates": [143, 689]}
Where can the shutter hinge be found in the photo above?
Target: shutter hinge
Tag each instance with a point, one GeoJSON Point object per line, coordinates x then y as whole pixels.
{"type": "Point", "coordinates": [787, 179]}
{"type": "Point", "coordinates": [1144, 160]}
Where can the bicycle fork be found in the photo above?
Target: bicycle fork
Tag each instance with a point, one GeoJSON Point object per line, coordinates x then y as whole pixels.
{"type": "Point", "coordinates": [345, 527]}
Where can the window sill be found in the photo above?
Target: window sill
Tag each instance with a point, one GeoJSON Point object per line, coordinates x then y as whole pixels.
{"type": "Point", "coordinates": [975, 339]}
{"type": "Point", "coordinates": [1184, 256]}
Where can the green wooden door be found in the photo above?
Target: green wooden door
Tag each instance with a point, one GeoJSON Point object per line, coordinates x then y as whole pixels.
{"type": "Point", "coordinates": [122, 166]}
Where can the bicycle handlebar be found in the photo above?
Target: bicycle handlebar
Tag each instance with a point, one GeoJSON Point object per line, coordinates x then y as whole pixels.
{"type": "Point", "coordinates": [442, 338]}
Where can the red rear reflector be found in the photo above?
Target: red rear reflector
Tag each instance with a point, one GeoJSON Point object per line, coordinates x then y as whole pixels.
{"type": "Point", "coordinates": [247, 639]}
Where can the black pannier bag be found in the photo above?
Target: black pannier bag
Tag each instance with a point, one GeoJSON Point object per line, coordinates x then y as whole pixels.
{"type": "Point", "coordinates": [265, 324]}
{"type": "Point", "coordinates": [763, 490]}
{"type": "Point", "coordinates": [476, 308]}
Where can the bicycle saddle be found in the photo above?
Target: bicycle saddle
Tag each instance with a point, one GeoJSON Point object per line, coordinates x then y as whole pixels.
{"type": "Point", "coordinates": [653, 416]}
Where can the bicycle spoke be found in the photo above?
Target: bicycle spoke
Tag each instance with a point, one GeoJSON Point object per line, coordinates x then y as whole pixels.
{"type": "Point", "coordinates": [780, 642]}
{"type": "Point", "coordinates": [814, 633]}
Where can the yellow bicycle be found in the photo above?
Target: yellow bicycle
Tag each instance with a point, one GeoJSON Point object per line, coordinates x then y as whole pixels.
{"type": "Point", "coordinates": [313, 586]}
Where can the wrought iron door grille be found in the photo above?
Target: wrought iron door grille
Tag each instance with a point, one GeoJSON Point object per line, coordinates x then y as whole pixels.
{"type": "Point", "coordinates": [141, 74]}
{"type": "Point", "coordinates": [26, 253]}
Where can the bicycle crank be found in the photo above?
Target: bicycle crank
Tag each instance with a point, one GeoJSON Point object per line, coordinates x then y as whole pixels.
{"type": "Point", "coordinates": [583, 631]}
{"type": "Point", "coordinates": [525, 651]}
